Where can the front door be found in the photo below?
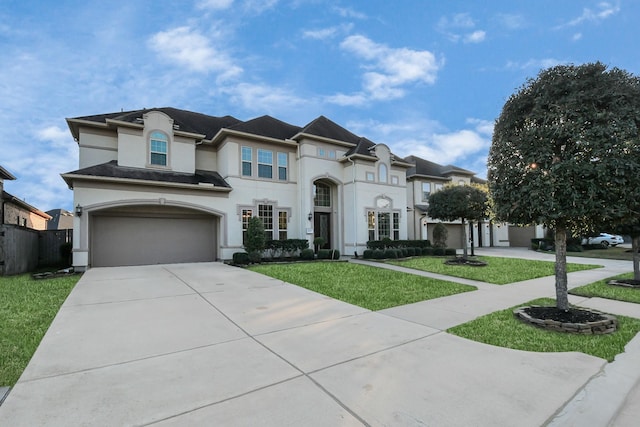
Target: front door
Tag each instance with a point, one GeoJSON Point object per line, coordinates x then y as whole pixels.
{"type": "Point", "coordinates": [322, 228]}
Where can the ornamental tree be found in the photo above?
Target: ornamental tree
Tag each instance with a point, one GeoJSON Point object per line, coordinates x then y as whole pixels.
{"type": "Point", "coordinates": [462, 202]}
{"type": "Point", "coordinates": [566, 154]}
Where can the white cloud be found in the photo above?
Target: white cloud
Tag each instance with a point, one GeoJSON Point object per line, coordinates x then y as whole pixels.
{"type": "Point", "coordinates": [214, 4]}
{"type": "Point", "coordinates": [535, 63]}
{"type": "Point", "coordinates": [576, 37]}
{"type": "Point", "coordinates": [186, 47]}
{"type": "Point", "coordinates": [457, 28]}
{"type": "Point", "coordinates": [346, 12]}
{"type": "Point", "coordinates": [604, 10]}
{"type": "Point", "coordinates": [511, 22]}
{"type": "Point", "coordinates": [327, 33]}
{"type": "Point", "coordinates": [263, 98]}
{"type": "Point", "coordinates": [388, 70]}
{"type": "Point", "coordinates": [475, 37]}
{"type": "Point", "coordinates": [466, 148]}
{"type": "Point", "coordinates": [259, 6]}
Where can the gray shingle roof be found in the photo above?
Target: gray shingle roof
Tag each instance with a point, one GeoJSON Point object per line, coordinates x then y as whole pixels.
{"type": "Point", "coordinates": [428, 168]}
{"type": "Point", "coordinates": [112, 170]}
{"type": "Point", "coordinates": [187, 121]}
{"type": "Point", "coordinates": [325, 128]}
{"type": "Point", "coordinates": [267, 126]}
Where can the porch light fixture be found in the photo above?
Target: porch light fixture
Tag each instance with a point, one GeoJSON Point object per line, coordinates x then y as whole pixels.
{"type": "Point", "coordinates": [310, 216]}
{"type": "Point", "coordinates": [79, 210]}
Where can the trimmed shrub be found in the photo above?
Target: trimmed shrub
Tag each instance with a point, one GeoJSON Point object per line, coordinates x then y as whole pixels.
{"type": "Point", "coordinates": [391, 253]}
{"type": "Point", "coordinates": [307, 254]}
{"type": "Point", "coordinates": [255, 257]}
{"type": "Point", "coordinates": [367, 254]}
{"type": "Point", "coordinates": [440, 234]}
{"type": "Point", "coordinates": [411, 251]}
{"type": "Point", "coordinates": [438, 251]}
{"type": "Point", "coordinates": [383, 244]}
{"type": "Point", "coordinates": [450, 251]}
{"type": "Point", "coordinates": [241, 258]}
{"type": "Point", "coordinates": [328, 254]}
{"type": "Point", "coordinates": [427, 251]}
{"type": "Point", "coordinates": [378, 254]}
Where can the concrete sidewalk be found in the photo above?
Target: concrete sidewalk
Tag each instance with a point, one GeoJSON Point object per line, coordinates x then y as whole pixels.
{"type": "Point", "coordinates": [209, 344]}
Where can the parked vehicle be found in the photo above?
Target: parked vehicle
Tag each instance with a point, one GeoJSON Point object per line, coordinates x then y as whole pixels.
{"type": "Point", "coordinates": [603, 239]}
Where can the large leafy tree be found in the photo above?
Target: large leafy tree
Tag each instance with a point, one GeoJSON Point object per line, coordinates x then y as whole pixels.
{"type": "Point", "coordinates": [462, 202]}
{"type": "Point", "coordinates": [566, 154]}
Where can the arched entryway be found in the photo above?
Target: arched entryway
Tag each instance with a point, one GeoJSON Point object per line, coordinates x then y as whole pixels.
{"type": "Point", "coordinates": [324, 203]}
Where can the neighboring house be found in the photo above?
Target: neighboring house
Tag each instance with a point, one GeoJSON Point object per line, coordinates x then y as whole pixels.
{"type": "Point", "coordinates": [426, 177]}
{"type": "Point", "coordinates": [18, 212]}
{"type": "Point", "coordinates": [60, 219]}
{"type": "Point", "coordinates": [166, 185]}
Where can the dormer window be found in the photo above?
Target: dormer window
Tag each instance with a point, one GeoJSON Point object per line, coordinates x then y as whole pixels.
{"type": "Point", "coordinates": [158, 149]}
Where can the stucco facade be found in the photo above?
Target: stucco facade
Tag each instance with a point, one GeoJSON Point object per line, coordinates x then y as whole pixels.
{"type": "Point", "coordinates": [171, 166]}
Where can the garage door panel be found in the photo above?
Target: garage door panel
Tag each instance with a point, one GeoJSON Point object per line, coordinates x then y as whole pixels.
{"type": "Point", "coordinates": [134, 240]}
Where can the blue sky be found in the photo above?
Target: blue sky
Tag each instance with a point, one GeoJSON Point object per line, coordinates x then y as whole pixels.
{"type": "Point", "coordinates": [425, 77]}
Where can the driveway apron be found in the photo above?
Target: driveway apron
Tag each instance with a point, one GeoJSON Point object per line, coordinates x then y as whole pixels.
{"type": "Point", "coordinates": [210, 344]}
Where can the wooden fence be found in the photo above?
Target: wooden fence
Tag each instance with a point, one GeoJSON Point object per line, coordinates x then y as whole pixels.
{"type": "Point", "coordinates": [23, 250]}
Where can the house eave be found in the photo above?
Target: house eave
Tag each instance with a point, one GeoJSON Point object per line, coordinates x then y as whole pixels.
{"type": "Point", "coordinates": [70, 178]}
{"type": "Point", "coordinates": [301, 135]}
{"type": "Point", "coordinates": [224, 133]}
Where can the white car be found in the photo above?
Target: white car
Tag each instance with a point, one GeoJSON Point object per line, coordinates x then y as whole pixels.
{"type": "Point", "coordinates": [603, 239]}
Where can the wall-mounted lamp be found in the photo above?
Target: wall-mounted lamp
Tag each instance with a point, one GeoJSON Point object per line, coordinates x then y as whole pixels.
{"type": "Point", "coordinates": [78, 210]}
{"type": "Point", "coordinates": [310, 216]}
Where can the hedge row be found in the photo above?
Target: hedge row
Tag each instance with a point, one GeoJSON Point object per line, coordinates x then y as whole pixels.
{"type": "Point", "coordinates": [393, 253]}
{"type": "Point", "coordinates": [243, 258]}
{"type": "Point", "coordinates": [397, 244]}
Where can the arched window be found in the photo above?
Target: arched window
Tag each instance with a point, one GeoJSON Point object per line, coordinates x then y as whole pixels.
{"type": "Point", "coordinates": [158, 148]}
{"type": "Point", "coordinates": [382, 173]}
{"type": "Point", "coordinates": [322, 196]}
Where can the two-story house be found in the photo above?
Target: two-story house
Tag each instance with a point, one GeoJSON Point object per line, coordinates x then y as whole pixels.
{"type": "Point", "coordinates": [16, 211]}
{"type": "Point", "coordinates": [426, 177]}
{"type": "Point", "coordinates": [167, 185]}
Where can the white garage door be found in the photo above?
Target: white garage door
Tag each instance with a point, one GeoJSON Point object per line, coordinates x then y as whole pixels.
{"type": "Point", "coordinates": [134, 238]}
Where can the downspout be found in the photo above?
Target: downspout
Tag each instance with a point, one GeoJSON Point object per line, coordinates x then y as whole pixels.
{"type": "Point", "coordinates": [355, 213]}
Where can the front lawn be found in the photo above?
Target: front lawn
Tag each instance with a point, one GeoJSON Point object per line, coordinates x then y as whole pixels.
{"type": "Point", "coordinates": [602, 290]}
{"type": "Point", "coordinates": [369, 287]}
{"type": "Point", "coordinates": [502, 329]}
{"type": "Point", "coordinates": [498, 271]}
{"type": "Point", "coordinates": [609, 253]}
{"type": "Point", "coordinates": [27, 308]}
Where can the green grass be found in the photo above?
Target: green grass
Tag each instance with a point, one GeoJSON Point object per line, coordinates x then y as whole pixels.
{"type": "Point", "coordinates": [502, 329]}
{"type": "Point", "coordinates": [27, 307]}
{"type": "Point", "coordinates": [602, 290]}
{"type": "Point", "coordinates": [369, 287]}
{"type": "Point", "coordinates": [498, 271]}
{"type": "Point", "coordinates": [610, 253]}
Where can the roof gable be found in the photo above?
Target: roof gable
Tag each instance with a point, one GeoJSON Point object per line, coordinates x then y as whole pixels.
{"type": "Point", "coordinates": [267, 126]}
{"type": "Point", "coordinates": [325, 128]}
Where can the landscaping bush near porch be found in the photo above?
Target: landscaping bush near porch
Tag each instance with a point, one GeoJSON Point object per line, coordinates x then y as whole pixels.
{"type": "Point", "coordinates": [27, 308]}
{"type": "Point", "coordinates": [369, 287]}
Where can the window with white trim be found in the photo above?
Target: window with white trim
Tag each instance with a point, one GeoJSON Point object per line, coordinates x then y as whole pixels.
{"type": "Point", "coordinates": [438, 187]}
{"type": "Point", "coordinates": [158, 148]}
{"type": "Point", "coordinates": [426, 191]}
{"type": "Point", "coordinates": [322, 195]}
{"type": "Point", "coordinates": [265, 163]}
{"type": "Point", "coordinates": [265, 213]}
{"type": "Point", "coordinates": [371, 176]}
{"type": "Point", "coordinates": [382, 173]}
{"type": "Point", "coordinates": [282, 225]}
{"type": "Point", "coordinates": [282, 166]}
{"type": "Point", "coordinates": [396, 226]}
{"type": "Point", "coordinates": [247, 159]}
{"type": "Point", "coordinates": [383, 224]}
{"type": "Point", "coordinates": [395, 180]}
{"type": "Point", "coordinates": [246, 216]}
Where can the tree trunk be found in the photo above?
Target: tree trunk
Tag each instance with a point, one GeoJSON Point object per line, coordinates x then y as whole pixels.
{"type": "Point", "coordinates": [635, 244]}
{"type": "Point", "coordinates": [464, 240]}
{"type": "Point", "coordinates": [562, 296]}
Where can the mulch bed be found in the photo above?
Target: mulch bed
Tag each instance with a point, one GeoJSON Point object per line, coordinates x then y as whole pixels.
{"type": "Point", "coordinates": [573, 315]}
{"type": "Point", "coordinates": [465, 261]}
{"type": "Point", "coordinates": [627, 283]}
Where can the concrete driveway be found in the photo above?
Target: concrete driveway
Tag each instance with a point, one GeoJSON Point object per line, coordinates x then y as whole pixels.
{"type": "Point", "coordinates": [209, 344]}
